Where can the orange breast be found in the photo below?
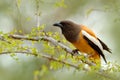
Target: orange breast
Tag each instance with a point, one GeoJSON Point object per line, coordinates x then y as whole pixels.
{"type": "Point", "coordinates": [83, 46]}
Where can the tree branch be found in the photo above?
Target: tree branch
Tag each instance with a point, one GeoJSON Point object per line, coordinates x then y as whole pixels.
{"type": "Point", "coordinates": [49, 39]}
{"type": "Point", "coordinates": [54, 42]}
{"type": "Point", "coordinates": [101, 73]}
{"type": "Point", "coordinates": [47, 57]}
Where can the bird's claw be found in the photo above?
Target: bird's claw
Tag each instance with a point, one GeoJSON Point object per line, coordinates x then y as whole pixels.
{"type": "Point", "coordinates": [75, 52]}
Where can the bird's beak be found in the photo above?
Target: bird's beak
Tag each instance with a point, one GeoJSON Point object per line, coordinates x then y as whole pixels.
{"type": "Point", "coordinates": [58, 25]}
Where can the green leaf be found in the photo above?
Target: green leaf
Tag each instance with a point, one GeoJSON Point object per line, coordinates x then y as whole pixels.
{"type": "Point", "coordinates": [12, 54]}
{"type": "Point", "coordinates": [36, 72]}
{"type": "Point", "coordinates": [55, 65]}
{"type": "Point", "coordinates": [43, 70]}
{"type": "Point", "coordinates": [61, 4]}
{"type": "Point", "coordinates": [28, 18]}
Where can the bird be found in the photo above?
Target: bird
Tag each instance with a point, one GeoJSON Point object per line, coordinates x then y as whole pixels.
{"type": "Point", "coordinates": [84, 40]}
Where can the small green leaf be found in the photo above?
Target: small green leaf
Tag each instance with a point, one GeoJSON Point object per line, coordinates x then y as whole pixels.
{"type": "Point", "coordinates": [28, 18]}
{"type": "Point", "coordinates": [61, 4]}
{"type": "Point", "coordinates": [55, 65]}
{"type": "Point", "coordinates": [37, 72]}
{"type": "Point", "coordinates": [12, 54]}
{"type": "Point", "coordinates": [34, 50]}
{"type": "Point", "coordinates": [43, 70]}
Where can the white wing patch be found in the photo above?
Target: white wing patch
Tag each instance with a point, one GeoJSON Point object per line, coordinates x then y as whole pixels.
{"type": "Point", "coordinates": [94, 40]}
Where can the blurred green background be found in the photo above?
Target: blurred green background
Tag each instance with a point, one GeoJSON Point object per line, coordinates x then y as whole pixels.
{"type": "Point", "coordinates": [102, 16]}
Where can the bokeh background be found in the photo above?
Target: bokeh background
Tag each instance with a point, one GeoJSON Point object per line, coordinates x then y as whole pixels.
{"type": "Point", "coordinates": [102, 16]}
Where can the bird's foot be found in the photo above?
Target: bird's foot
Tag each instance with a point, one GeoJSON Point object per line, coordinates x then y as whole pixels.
{"type": "Point", "coordinates": [75, 52]}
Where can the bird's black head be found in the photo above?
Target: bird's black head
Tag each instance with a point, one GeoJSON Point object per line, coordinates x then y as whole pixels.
{"type": "Point", "coordinates": [65, 25]}
{"type": "Point", "coordinates": [69, 29]}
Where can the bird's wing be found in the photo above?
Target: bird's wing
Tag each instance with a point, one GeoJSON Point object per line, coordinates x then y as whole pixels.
{"type": "Point", "coordinates": [94, 43]}
{"type": "Point", "coordinates": [105, 47]}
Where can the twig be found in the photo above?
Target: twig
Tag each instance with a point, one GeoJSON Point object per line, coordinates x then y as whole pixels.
{"type": "Point", "coordinates": [37, 13]}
